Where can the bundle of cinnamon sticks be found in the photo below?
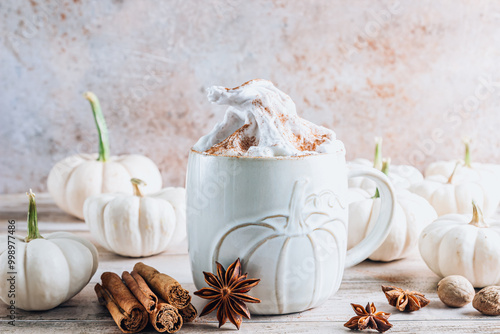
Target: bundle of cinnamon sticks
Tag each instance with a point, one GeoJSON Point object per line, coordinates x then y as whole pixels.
{"type": "Point", "coordinates": [145, 295]}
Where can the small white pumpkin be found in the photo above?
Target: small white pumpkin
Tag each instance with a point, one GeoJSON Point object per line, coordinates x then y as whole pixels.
{"type": "Point", "coordinates": [137, 225]}
{"type": "Point", "coordinates": [486, 175]}
{"type": "Point", "coordinates": [447, 195]}
{"type": "Point", "coordinates": [412, 213]}
{"type": "Point", "coordinates": [460, 245]}
{"type": "Point", "coordinates": [79, 176]}
{"type": "Point", "coordinates": [401, 176]}
{"type": "Point", "coordinates": [49, 270]}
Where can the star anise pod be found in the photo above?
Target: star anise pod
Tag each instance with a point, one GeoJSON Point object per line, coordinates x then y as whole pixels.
{"type": "Point", "coordinates": [405, 300]}
{"type": "Point", "coordinates": [227, 294]}
{"type": "Point", "coordinates": [368, 317]}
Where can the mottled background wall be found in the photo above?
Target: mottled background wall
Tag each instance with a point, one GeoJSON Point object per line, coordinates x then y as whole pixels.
{"type": "Point", "coordinates": [420, 73]}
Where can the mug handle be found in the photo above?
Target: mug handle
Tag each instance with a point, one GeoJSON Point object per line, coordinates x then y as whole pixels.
{"type": "Point", "coordinates": [377, 235]}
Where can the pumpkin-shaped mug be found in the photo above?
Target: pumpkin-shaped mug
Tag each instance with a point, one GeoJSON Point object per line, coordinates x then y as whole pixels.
{"type": "Point", "coordinates": [284, 217]}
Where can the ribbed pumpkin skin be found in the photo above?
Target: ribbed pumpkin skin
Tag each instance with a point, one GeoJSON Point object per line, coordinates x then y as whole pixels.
{"type": "Point", "coordinates": [49, 271]}
{"type": "Point", "coordinates": [72, 180]}
{"type": "Point", "coordinates": [135, 226]}
{"type": "Point", "coordinates": [452, 246]}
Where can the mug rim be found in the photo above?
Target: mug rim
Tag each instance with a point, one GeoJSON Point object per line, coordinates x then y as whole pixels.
{"type": "Point", "coordinates": [280, 157]}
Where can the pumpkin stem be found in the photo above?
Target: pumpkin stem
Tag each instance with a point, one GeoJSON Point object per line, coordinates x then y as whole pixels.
{"type": "Point", "coordinates": [33, 232]}
{"type": "Point", "coordinates": [385, 169]}
{"type": "Point", "coordinates": [477, 216]}
{"type": "Point", "coordinates": [102, 129]}
{"type": "Point", "coordinates": [295, 221]}
{"type": "Point", "coordinates": [467, 162]}
{"type": "Point", "coordinates": [385, 166]}
{"type": "Point", "coordinates": [450, 179]}
{"type": "Point", "coordinates": [136, 183]}
{"type": "Point", "coordinates": [377, 161]}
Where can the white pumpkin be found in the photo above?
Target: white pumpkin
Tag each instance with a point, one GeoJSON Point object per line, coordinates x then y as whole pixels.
{"type": "Point", "coordinates": [466, 171]}
{"type": "Point", "coordinates": [463, 245]}
{"type": "Point", "coordinates": [79, 176]}
{"type": "Point", "coordinates": [137, 225]}
{"type": "Point", "coordinates": [306, 234]}
{"type": "Point", "coordinates": [447, 195]}
{"type": "Point", "coordinates": [411, 214]}
{"type": "Point", "coordinates": [401, 176]}
{"type": "Point", "coordinates": [49, 270]}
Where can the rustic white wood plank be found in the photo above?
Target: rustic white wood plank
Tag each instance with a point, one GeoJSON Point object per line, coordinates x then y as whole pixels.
{"type": "Point", "coordinates": [106, 327]}
{"type": "Point", "coordinates": [84, 306]}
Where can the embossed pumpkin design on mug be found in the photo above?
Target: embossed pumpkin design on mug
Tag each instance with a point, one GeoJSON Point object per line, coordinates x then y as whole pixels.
{"type": "Point", "coordinates": [304, 245]}
{"type": "Point", "coordinates": [267, 186]}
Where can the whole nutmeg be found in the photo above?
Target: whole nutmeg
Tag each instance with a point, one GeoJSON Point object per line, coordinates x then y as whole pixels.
{"type": "Point", "coordinates": [487, 301]}
{"type": "Point", "coordinates": [455, 291]}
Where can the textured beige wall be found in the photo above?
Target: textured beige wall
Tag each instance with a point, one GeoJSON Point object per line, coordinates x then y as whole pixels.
{"type": "Point", "coordinates": [420, 73]}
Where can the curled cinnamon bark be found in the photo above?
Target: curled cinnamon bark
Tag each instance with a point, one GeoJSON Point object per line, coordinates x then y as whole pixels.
{"type": "Point", "coordinates": [141, 290]}
{"type": "Point", "coordinates": [127, 312]}
{"type": "Point", "coordinates": [164, 286]}
{"type": "Point", "coordinates": [165, 318]}
{"type": "Point", "coordinates": [188, 313]}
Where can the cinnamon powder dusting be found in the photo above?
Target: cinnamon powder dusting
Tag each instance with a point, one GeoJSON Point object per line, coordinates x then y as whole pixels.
{"type": "Point", "coordinates": [258, 103]}
{"type": "Point", "coordinates": [238, 143]}
{"type": "Point", "coordinates": [303, 145]}
{"type": "Point", "coordinates": [235, 143]}
{"type": "Point", "coordinates": [242, 85]}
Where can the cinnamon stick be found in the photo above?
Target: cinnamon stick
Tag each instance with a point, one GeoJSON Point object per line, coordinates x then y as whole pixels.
{"type": "Point", "coordinates": [127, 312]}
{"type": "Point", "coordinates": [141, 290]}
{"type": "Point", "coordinates": [188, 313]}
{"type": "Point", "coordinates": [164, 286]}
{"type": "Point", "coordinates": [165, 318]}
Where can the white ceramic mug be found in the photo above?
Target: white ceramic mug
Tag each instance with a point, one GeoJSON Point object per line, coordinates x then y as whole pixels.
{"type": "Point", "coordinates": [284, 217]}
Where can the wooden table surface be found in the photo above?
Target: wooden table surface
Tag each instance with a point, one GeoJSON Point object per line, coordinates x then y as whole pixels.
{"type": "Point", "coordinates": [361, 284]}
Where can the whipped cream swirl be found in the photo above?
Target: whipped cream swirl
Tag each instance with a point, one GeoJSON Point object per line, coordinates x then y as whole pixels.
{"type": "Point", "coordinates": [262, 121]}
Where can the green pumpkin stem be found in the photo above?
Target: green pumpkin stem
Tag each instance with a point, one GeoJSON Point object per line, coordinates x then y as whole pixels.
{"type": "Point", "coordinates": [450, 179]}
{"type": "Point", "coordinates": [467, 161]}
{"type": "Point", "coordinates": [477, 216]}
{"type": "Point", "coordinates": [385, 166]}
{"type": "Point", "coordinates": [102, 129]}
{"type": "Point", "coordinates": [377, 161]}
{"type": "Point", "coordinates": [136, 183]}
{"type": "Point", "coordinates": [385, 169]}
{"type": "Point", "coordinates": [33, 232]}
